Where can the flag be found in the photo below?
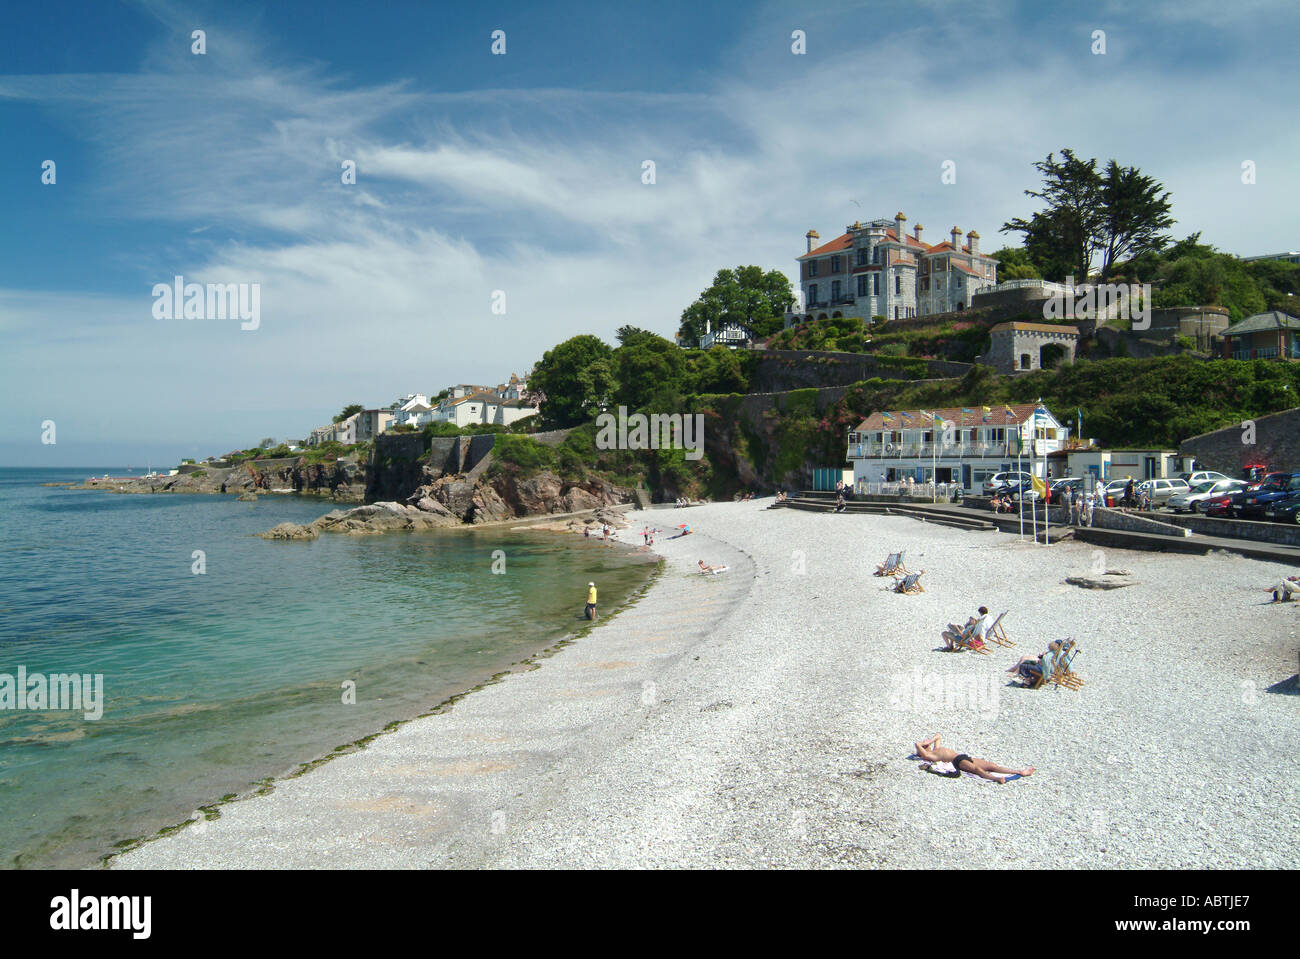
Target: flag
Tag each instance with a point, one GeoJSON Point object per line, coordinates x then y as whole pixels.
{"type": "Point", "coordinates": [987, 413]}
{"type": "Point", "coordinates": [904, 415]}
{"type": "Point", "coordinates": [886, 416]}
{"type": "Point", "coordinates": [1039, 486]}
{"type": "Point", "coordinates": [1011, 414]}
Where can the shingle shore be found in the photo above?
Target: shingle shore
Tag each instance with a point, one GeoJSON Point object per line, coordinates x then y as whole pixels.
{"type": "Point", "coordinates": [764, 717]}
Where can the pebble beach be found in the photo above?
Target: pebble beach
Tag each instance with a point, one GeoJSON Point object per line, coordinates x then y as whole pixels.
{"type": "Point", "coordinates": [764, 717]}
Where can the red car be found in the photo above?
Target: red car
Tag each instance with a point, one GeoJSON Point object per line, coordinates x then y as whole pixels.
{"type": "Point", "coordinates": [1219, 506]}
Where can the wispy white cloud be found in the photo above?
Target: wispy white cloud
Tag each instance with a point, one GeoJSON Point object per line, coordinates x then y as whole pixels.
{"type": "Point", "coordinates": [383, 287]}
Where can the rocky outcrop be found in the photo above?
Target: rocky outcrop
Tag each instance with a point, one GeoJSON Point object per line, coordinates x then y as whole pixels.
{"type": "Point", "coordinates": [343, 480]}
{"type": "Point", "coordinates": [362, 520]}
{"type": "Point", "coordinates": [507, 496]}
{"type": "Point", "coordinates": [290, 531]}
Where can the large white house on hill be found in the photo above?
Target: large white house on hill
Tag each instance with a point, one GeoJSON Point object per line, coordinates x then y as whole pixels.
{"type": "Point", "coordinates": [878, 269]}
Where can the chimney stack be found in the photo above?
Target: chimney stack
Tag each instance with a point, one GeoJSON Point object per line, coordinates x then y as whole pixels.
{"type": "Point", "coordinates": [917, 229]}
{"type": "Point", "coordinates": [899, 220]}
{"type": "Point", "coordinates": [973, 241]}
{"type": "Point", "coordinates": [810, 236]}
{"type": "Point", "coordinates": [956, 239]}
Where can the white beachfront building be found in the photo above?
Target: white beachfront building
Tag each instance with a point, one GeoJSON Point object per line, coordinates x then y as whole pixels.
{"type": "Point", "coordinates": [957, 445]}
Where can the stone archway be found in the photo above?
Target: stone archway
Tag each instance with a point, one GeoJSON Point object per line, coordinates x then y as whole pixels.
{"type": "Point", "coordinates": [1050, 355]}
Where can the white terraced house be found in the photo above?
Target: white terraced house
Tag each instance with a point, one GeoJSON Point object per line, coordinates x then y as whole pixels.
{"type": "Point", "coordinates": [878, 269]}
{"type": "Point", "coordinates": [958, 445]}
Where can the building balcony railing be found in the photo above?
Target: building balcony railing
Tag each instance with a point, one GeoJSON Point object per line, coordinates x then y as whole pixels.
{"type": "Point", "coordinates": [863, 451]}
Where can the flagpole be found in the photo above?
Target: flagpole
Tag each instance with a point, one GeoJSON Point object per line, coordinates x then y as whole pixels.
{"type": "Point", "coordinates": [1047, 503]}
{"type": "Point", "coordinates": [1019, 470]}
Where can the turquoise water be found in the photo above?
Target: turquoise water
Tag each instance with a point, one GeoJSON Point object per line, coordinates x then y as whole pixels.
{"type": "Point", "coordinates": [214, 681]}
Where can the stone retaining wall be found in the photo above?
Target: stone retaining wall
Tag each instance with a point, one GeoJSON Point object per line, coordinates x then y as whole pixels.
{"type": "Point", "coordinates": [1285, 534]}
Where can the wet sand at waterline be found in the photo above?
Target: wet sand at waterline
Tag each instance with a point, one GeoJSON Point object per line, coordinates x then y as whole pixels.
{"type": "Point", "coordinates": [764, 717]}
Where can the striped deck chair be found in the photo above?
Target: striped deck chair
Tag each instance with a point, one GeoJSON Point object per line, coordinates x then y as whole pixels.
{"type": "Point", "coordinates": [892, 565]}
{"type": "Point", "coordinates": [911, 583]}
{"type": "Point", "coordinates": [1048, 662]}
{"type": "Point", "coordinates": [963, 637]}
{"type": "Point", "coordinates": [997, 633]}
{"type": "Point", "coordinates": [1062, 673]}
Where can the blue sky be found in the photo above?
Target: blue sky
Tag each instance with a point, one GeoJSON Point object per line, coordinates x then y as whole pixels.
{"type": "Point", "coordinates": [522, 173]}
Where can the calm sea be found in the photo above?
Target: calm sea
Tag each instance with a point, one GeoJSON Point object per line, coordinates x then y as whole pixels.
{"type": "Point", "coordinates": [215, 680]}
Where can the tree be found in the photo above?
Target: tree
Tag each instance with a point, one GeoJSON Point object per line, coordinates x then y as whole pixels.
{"type": "Point", "coordinates": [266, 443]}
{"type": "Point", "coordinates": [1064, 238]}
{"type": "Point", "coordinates": [1135, 214]}
{"type": "Point", "coordinates": [744, 295]}
{"type": "Point", "coordinates": [349, 410]}
{"type": "Point", "coordinates": [575, 380]}
{"type": "Point", "coordinates": [1116, 213]}
{"type": "Point", "coordinates": [628, 334]}
{"type": "Point", "coordinates": [1014, 264]}
{"type": "Point", "coordinates": [648, 371]}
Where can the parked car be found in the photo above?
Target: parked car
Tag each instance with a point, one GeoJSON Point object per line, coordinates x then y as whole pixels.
{"type": "Point", "coordinates": [1202, 476]}
{"type": "Point", "coordinates": [1238, 508]}
{"type": "Point", "coordinates": [1160, 490]}
{"type": "Point", "coordinates": [1255, 502]}
{"type": "Point", "coordinates": [1114, 490]}
{"type": "Point", "coordinates": [1075, 483]}
{"type": "Point", "coordinates": [1285, 510]}
{"type": "Point", "coordinates": [1220, 505]}
{"type": "Point", "coordinates": [1009, 482]}
{"type": "Point", "coordinates": [1196, 497]}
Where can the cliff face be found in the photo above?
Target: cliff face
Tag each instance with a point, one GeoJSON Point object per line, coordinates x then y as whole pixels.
{"type": "Point", "coordinates": [343, 480]}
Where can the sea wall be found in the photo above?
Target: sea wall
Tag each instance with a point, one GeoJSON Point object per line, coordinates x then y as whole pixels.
{"type": "Point", "coordinates": [1276, 444]}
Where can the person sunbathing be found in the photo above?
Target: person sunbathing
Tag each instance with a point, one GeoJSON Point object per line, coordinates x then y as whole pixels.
{"type": "Point", "coordinates": [710, 569]}
{"type": "Point", "coordinates": [1030, 668]}
{"type": "Point", "coordinates": [932, 752]}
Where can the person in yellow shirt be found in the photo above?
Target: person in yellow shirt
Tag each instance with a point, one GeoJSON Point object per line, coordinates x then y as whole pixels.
{"type": "Point", "coordinates": [591, 600]}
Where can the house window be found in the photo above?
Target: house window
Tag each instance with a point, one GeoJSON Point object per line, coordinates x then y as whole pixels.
{"type": "Point", "coordinates": [835, 290]}
{"type": "Point", "coordinates": [835, 264]}
{"type": "Point", "coordinates": [862, 285]}
{"type": "Point", "coordinates": [875, 284]}
{"type": "Point", "coordinates": [875, 254]}
{"type": "Point", "coordinates": [898, 283]}
{"type": "Point", "coordinates": [812, 267]}
{"type": "Point", "coordinates": [812, 293]}
{"type": "Point", "coordinates": [1024, 361]}
{"type": "Point", "coordinates": [862, 256]}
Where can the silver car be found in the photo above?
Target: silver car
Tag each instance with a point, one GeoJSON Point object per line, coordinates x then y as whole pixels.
{"type": "Point", "coordinates": [1202, 476]}
{"type": "Point", "coordinates": [1195, 497]}
{"type": "Point", "coordinates": [1160, 490]}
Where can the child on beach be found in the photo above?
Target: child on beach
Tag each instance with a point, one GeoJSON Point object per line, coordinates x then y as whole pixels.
{"type": "Point", "coordinates": [932, 753]}
{"type": "Point", "coordinates": [591, 601]}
